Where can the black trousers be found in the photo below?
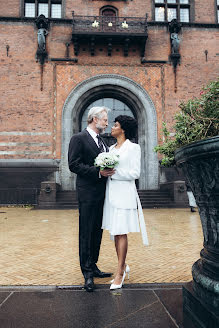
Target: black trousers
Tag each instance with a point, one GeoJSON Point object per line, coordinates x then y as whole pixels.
{"type": "Point", "coordinates": [90, 234]}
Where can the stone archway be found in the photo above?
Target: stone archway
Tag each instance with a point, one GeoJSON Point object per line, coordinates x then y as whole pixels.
{"type": "Point", "coordinates": [132, 93]}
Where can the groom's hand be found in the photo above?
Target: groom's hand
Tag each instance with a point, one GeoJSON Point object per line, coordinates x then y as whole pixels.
{"type": "Point", "coordinates": [107, 172]}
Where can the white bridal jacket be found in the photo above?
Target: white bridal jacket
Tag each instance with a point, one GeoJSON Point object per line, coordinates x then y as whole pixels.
{"type": "Point", "coordinates": [122, 189]}
{"type": "Point", "coordinates": [121, 186]}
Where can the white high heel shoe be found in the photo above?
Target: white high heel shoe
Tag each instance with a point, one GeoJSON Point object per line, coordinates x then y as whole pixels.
{"type": "Point", "coordinates": [114, 286]}
{"type": "Point", "coordinates": [127, 270]}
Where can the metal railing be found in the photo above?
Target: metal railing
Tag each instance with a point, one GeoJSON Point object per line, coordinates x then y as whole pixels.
{"type": "Point", "coordinates": [114, 24]}
{"type": "Point", "coordinates": [16, 196]}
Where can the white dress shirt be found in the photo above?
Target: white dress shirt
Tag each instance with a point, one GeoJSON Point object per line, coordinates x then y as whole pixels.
{"type": "Point", "coordinates": [94, 136]}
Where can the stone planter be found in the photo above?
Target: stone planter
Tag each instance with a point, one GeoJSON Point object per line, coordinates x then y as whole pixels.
{"type": "Point", "coordinates": [200, 164]}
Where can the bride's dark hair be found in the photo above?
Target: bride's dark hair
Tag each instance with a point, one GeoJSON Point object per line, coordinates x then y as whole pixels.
{"type": "Point", "coordinates": [128, 124]}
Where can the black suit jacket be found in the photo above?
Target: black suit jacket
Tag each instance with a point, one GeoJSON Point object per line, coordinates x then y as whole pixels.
{"type": "Point", "coordinates": [81, 155]}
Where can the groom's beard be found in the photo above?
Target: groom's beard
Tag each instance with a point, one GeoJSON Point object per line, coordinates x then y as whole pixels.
{"type": "Point", "coordinates": [100, 128]}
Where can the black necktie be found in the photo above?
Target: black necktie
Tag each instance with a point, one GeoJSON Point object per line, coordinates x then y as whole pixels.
{"type": "Point", "coordinates": [100, 144]}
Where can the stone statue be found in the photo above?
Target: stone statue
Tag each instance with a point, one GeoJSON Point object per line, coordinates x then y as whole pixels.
{"type": "Point", "coordinates": [41, 37]}
{"type": "Point", "coordinates": [175, 43]}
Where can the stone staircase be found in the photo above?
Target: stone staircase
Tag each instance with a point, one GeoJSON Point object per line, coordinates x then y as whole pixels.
{"type": "Point", "coordinates": [149, 199]}
{"type": "Point", "coordinates": [66, 199]}
{"type": "Point", "coordinates": [155, 198]}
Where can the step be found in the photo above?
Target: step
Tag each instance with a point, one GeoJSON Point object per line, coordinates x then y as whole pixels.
{"type": "Point", "coordinates": [149, 199]}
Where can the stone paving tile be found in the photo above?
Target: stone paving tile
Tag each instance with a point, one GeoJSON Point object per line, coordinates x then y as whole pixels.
{"type": "Point", "coordinates": [3, 297]}
{"type": "Point", "coordinates": [40, 247]}
{"type": "Point", "coordinates": [173, 301]}
{"type": "Point", "coordinates": [78, 309]}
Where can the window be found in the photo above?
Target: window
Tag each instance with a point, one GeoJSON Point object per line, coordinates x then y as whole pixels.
{"type": "Point", "coordinates": [166, 10]}
{"type": "Point", "coordinates": [48, 8]}
{"type": "Point", "coordinates": [29, 9]}
{"type": "Point", "coordinates": [117, 108]}
{"type": "Point", "coordinates": [43, 9]}
{"type": "Point", "coordinates": [217, 4]}
{"type": "Point", "coordinates": [108, 11]}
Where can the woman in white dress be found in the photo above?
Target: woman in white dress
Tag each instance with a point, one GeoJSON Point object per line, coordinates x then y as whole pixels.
{"type": "Point", "coordinates": [122, 208]}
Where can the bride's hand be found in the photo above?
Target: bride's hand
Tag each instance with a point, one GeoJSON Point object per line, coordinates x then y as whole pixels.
{"type": "Point", "coordinates": [107, 172]}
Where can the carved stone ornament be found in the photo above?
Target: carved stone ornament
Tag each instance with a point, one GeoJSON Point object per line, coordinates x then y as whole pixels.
{"type": "Point", "coordinates": [174, 29]}
{"type": "Point", "coordinates": [200, 164]}
{"type": "Point", "coordinates": [42, 24]}
{"type": "Point", "coordinates": [42, 21]}
{"type": "Point", "coordinates": [174, 26]}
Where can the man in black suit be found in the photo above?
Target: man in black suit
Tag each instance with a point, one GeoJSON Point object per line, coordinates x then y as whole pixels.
{"type": "Point", "coordinates": [84, 147]}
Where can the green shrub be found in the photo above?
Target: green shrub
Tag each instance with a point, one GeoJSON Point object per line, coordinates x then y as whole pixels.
{"type": "Point", "coordinates": [198, 119]}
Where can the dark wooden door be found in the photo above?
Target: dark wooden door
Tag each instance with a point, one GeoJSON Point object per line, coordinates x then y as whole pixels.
{"type": "Point", "coordinates": [109, 20]}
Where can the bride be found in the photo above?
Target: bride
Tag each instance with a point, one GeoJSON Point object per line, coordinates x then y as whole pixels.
{"type": "Point", "coordinates": [122, 211]}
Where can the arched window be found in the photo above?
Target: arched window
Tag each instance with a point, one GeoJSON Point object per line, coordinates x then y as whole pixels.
{"type": "Point", "coordinates": [109, 14]}
{"type": "Point", "coordinates": [109, 11]}
{"type": "Point", "coordinates": [117, 108]}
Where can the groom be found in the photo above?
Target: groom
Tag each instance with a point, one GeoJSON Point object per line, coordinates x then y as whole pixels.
{"type": "Point", "coordinates": [84, 147]}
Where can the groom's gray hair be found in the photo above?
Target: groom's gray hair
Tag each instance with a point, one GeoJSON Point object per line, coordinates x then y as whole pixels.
{"type": "Point", "coordinates": [96, 112]}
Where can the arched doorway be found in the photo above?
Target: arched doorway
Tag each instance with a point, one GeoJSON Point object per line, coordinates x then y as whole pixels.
{"type": "Point", "coordinates": [135, 98]}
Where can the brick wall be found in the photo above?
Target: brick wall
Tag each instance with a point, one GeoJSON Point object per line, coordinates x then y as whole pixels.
{"type": "Point", "coordinates": [204, 9]}
{"type": "Point", "coordinates": [24, 108]}
{"type": "Point", "coordinates": [10, 8]}
{"type": "Point", "coordinates": [31, 119]}
{"type": "Point", "coordinates": [136, 8]}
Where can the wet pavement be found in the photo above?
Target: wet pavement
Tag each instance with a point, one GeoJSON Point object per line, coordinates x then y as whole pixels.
{"type": "Point", "coordinates": [41, 285]}
{"type": "Point", "coordinates": [151, 306]}
{"type": "Point", "coordinates": [40, 247]}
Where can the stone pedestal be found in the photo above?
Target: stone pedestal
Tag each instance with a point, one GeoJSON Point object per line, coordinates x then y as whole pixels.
{"type": "Point", "coordinates": [177, 190]}
{"type": "Point", "coordinates": [195, 312]}
{"type": "Point", "coordinates": [47, 197]}
{"type": "Point", "coordinates": [200, 164]}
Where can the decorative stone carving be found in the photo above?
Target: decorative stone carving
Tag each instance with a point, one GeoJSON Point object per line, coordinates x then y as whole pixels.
{"type": "Point", "coordinates": [200, 164]}
{"type": "Point", "coordinates": [109, 47]}
{"type": "Point", "coordinates": [175, 41]}
{"type": "Point", "coordinates": [174, 29]}
{"type": "Point", "coordinates": [126, 47]}
{"type": "Point", "coordinates": [42, 24]}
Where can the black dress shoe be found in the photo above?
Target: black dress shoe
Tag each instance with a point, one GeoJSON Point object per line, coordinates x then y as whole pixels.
{"type": "Point", "coordinates": [89, 284]}
{"type": "Point", "coordinates": [99, 274]}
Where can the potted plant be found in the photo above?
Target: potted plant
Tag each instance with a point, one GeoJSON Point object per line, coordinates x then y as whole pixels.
{"type": "Point", "coordinates": [195, 148]}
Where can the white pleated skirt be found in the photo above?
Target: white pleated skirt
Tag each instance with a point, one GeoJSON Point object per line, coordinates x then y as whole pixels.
{"type": "Point", "coordinates": [119, 221]}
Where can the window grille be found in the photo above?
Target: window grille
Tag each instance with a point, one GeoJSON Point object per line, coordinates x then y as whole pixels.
{"type": "Point", "coordinates": [166, 10]}
{"type": "Point", "coordinates": [48, 8]}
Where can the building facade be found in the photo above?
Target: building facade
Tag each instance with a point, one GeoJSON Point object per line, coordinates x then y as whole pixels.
{"type": "Point", "coordinates": [60, 57]}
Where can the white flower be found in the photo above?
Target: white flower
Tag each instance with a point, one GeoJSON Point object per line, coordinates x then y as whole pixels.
{"type": "Point", "coordinates": [124, 24]}
{"type": "Point", "coordinates": [106, 160]}
{"type": "Point", "coordinates": [95, 24]}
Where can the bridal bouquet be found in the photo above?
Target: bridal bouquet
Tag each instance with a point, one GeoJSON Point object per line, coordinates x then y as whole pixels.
{"type": "Point", "coordinates": [106, 160]}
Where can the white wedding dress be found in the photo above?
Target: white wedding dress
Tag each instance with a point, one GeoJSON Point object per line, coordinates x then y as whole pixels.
{"type": "Point", "coordinates": [117, 219]}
